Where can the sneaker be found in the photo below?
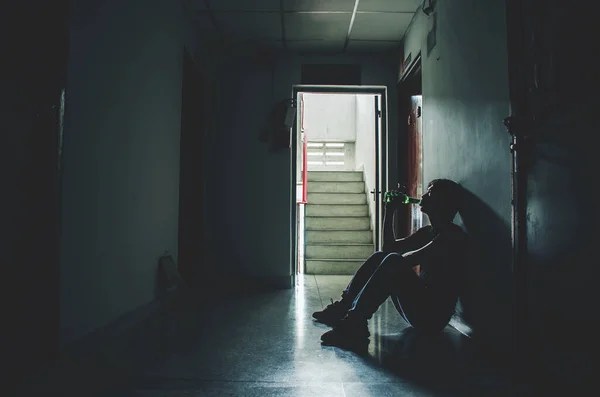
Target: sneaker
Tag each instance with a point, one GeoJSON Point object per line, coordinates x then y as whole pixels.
{"type": "Point", "coordinates": [349, 334]}
{"type": "Point", "coordinates": [332, 314]}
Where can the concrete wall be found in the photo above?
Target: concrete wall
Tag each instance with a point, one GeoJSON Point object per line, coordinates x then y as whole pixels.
{"type": "Point", "coordinates": [330, 117]}
{"type": "Point", "coordinates": [561, 244]}
{"type": "Point", "coordinates": [562, 197]}
{"type": "Point", "coordinates": [121, 156]}
{"type": "Point", "coordinates": [465, 98]}
{"type": "Point", "coordinates": [365, 147]}
{"type": "Point", "coordinates": [249, 191]}
{"type": "Point", "coordinates": [251, 231]}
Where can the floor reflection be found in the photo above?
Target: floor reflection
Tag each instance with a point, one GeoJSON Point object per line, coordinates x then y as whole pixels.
{"type": "Point", "coordinates": [265, 343]}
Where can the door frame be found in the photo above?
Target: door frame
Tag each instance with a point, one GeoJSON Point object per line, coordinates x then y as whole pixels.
{"type": "Point", "coordinates": [382, 154]}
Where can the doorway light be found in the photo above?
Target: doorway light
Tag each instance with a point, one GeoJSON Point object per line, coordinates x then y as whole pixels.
{"type": "Point", "coordinates": [314, 153]}
{"type": "Point", "coordinates": [334, 153]}
{"type": "Point", "coordinates": [334, 144]}
{"type": "Point", "coordinates": [311, 144]}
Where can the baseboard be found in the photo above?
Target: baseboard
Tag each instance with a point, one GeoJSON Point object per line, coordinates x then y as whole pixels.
{"type": "Point", "coordinates": [219, 285]}
{"type": "Point", "coordinates": [281, 282]}
{"type": "Point", "coordinates": [256, 283]}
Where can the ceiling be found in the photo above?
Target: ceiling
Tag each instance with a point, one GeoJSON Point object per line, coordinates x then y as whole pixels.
{"type": "Point", "coordinates": [307, 25]}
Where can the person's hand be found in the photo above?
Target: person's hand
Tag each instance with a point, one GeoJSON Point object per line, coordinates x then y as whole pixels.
{"type": "Point", "coordinates": [392, 204]}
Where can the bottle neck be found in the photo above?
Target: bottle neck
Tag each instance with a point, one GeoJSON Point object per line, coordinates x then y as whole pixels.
{"type": "Point", "coordinates": [404, 199]}
{"type": "Point", "coordinates": [412, 200]}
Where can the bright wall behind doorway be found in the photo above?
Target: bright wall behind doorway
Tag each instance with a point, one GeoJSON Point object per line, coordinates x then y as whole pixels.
{"type": "Point", "coordinates": [348, 118]}
{"type": "Point", "coordinates": [330, 117]}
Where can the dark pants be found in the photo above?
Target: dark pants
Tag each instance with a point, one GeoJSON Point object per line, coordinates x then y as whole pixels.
{"type": "Point", "coordinates": [384, 275]}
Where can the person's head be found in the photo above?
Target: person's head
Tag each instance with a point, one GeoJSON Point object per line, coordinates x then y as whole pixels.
{"type": "Point", "coordinates": [441, 200]}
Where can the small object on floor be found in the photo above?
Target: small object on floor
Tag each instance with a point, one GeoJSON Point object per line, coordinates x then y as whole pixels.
{"type": "Point", "coordinates": [332, 314]}
{"type": "Point", "coordinates": [169, 278]}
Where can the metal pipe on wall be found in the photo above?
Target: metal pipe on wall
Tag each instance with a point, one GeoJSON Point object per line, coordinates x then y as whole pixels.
{"type": "Point", "coordinates": [519, 124]}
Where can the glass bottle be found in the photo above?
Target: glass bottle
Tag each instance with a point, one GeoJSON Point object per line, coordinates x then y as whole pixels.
{"type": "Point", "coordinates": [403, 198]}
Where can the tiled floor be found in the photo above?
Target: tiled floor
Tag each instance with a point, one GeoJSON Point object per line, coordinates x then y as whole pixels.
{"type": "Point", "coordinates": [266, 344]}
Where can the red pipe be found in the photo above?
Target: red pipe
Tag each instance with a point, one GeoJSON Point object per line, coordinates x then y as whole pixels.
{"type": "Point", "coordinates": [304, 174]}
{"type": "Point", "coordinates": [304, 160]}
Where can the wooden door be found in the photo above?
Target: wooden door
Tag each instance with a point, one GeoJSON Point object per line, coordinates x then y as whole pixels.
{"type": "Point", "coordinates": [415, 159]}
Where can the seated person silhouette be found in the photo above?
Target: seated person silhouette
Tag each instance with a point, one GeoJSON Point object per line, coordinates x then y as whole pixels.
{"type": "Point", "coordinates": [426, 300]}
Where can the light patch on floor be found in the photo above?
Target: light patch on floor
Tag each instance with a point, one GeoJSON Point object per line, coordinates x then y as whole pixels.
{"type": "Point", "coordinates": [266, 344]}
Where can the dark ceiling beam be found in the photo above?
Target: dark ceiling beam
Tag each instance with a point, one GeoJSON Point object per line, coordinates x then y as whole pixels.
{"type": "Point", "coordinates": [351, 25]}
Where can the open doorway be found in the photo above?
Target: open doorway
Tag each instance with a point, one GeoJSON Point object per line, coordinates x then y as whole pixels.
{"type": "Point", "coordinates": [339, 148]}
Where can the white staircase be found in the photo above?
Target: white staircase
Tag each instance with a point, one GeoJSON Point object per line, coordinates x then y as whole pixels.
{"type": "Point", "coordinates": [338, 236]}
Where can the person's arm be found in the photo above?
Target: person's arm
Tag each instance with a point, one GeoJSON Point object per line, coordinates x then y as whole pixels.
{"type": "Point", "coordinates": [446, 248]}
{"type": "Point", "coordinates": [389, 237]}
{"type": "Point", "coordinates": [401, 245]}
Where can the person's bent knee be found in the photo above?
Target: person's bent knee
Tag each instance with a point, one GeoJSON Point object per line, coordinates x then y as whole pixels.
{"type": "Point", "coordinates": [380, 254]}
{"type": "Point", "coordinates": [393, 259]}
{"type": "Point", "coordinates": [393, 256]}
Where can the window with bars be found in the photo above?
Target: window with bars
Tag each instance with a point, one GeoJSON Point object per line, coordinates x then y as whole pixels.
{"type": "Point", "coordinates": [326, 154]}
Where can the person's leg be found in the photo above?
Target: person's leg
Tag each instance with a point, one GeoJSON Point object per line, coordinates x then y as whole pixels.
{"type": "Point", "coordinates": [420, 306]}
{"type": "Point", "coordinates": [391, 276]}
{"type": "Point", "coordinates": [362, 275]}
{"type": "Point", "coordinates": [337, 310]}
{"type": "Point", "coordinates": [427, 313]}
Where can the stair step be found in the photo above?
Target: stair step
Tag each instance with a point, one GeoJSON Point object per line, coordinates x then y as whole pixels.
{"type": "Point", "coordinates": [337, 210]}
{"type": "Point", "coordinates": [339, 236]}
{"type": "Point", "coordinates": [336, 187]}
{"type": "Point", "coordinates": [355, 176]}
{"type": "Point", "coordinates": [337, 223]}
{"type": "Point", "coordinates": [337, 198]}
{"type": "Point", "coordinates": [332, 266]}
{"type": "Point", "coordinates": [338, 251]}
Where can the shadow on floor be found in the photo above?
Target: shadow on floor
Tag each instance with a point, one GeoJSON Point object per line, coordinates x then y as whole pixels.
{"type": "Point", "coordinates": [443, 363]}
{"type": "Point", "coordinates": [263, 344]}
